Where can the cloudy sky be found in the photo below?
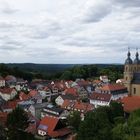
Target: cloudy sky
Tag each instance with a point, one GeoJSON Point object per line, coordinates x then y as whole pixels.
{"type": "Point", "coordinates": [68, 31]}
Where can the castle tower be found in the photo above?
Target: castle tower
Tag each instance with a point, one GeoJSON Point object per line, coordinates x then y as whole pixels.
{"type": "Point", "coordinates": [128, 71]}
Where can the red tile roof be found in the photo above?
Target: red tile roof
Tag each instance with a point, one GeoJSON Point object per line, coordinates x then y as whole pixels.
{"type": "Point", "coordinates": [97, 81]}
{"type": "Point", "coordinates": [83, 106]}
{"type": "Point", "coordinates": [33, 93]}
{"type": "Point", "coordinates": [77, 105]}
{"type": "Point", "coordinates": [131, 103]}
{"type": "Point", "coordinates": [72, 91]}
{"type": "Point", "coordinates": [51, 122]}
{"type": "Point", "coordinates": [101, 97]}
{"type": "Point", "coordinates": [112, 87]}
{"type": "Point", "coordinates": [10, 104]}
{"type": "Point", "coordinates": [60, 132]}
{"type": "Point", "coordinates": [23, 96]}
{"type": "Point", "coordinates": [67, 103]}
{"type": "Point", "coordinates": [47, 89]}
{"type": "Point", "coordinates": [6, 90]}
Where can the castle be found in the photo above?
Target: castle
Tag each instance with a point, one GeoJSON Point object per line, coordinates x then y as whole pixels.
{"type": "Point", "coordinates": [132, 74]}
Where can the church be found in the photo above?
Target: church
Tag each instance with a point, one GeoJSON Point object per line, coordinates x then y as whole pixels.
{"type": "Point", "coordinates": [132, 74]}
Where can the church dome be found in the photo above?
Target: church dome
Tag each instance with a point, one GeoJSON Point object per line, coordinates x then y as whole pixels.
{"type": "Point", "coordinates": [128, 60]}
{"type": "Point", "coordinates": [137, 61]}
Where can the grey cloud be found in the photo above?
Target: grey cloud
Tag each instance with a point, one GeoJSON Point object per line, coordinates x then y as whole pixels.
{"type": "Point", "coordinates": [9, 11]}
{"type": "Point", "coordinates": [47, 53]}
{"type": "Point", "coordinates": [98, 12]}
{"type": "Point", "coordinates": [128, 3]}
{"type": "Point", "coordinates": [6, 8]}
{"type": "Point", "coordinates": [5, 25]}
{"type": "Point", "coordinates": [9, 44]}
{"type": "Point", "coordinates": [9, 47]}
{"type": "Point", "coordinates": [80, 42]}
{"type": "Point", "coordinates": [45, 30]}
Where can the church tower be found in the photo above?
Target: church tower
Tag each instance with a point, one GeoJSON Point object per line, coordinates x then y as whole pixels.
{"type": "Point", "coordinates": [136, 63]}
{"type": "Point", "coordinates": [132, 74]}
{"type": "Point", "coordinates": [128, 71]}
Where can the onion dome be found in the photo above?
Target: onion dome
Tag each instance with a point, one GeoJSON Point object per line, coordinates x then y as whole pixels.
{"type": "Point", "coordinates": [128, 60]}
{"type": "Point", "coordinates": [136, 60]}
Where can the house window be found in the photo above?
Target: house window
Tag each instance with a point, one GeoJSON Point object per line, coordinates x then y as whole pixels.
{"type": "Point", "coordinates": [134, 90]}
{"type": "Point", "coordinates": [126, 78]}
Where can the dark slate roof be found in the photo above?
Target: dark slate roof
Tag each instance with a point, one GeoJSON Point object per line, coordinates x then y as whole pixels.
{"type": "Point", "coordinates": [136, 78]}
{"type": "Point", "coordinates": [2, 101]}
{"type": "Point", "coordinates": [136, 61]}
{"type": "Point", "coordinates": [54, 109]}
{"type": "Point", "coordinates": [128, 61]}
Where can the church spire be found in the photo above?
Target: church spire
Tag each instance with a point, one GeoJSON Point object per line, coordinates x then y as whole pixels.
{"type": "Point", "coordinates": [128, 54]}
{"type": "Point", "coordinates": [128, 60]}
{"type": "Point", "coordinates": [137, 61]}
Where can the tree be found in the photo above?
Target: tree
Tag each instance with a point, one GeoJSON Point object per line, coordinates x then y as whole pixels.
{"type": "Point", "coordinates": [117, 110]}
{"type": "Point", "coordinates": [67, 75]}
{"type": "Point", "coordinates": [134, 123]}
{"type": "Point", "coordinates": [74, 120]}
{"type": "Point", "coordinates": [96, 126]}
{"type": "Point", "coordinates": [17, 122]}
{"type": "Point", "coordinates": [3, 133]}
{"type": "Point", "coordinates": [119, 132]}
{"type": "Point", "coordinates": [129, 130]}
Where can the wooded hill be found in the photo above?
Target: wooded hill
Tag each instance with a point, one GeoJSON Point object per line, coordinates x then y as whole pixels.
{"type": "Point", "coordinates": [30, 71]}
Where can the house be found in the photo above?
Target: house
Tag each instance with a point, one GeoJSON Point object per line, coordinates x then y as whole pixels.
{"type": "Point", "coordinates": [60, 99]}
{"type": "Point", "coordinates": [52, 127]}
{"type": "Point", "coordinates": [37, 99]}
{"type": "Point", "coordinates": [10, 80]}
{"type": "Point", "coordinates": [131, 103]}
{"type": "Point", "coordinates": [60, 85]}
{"type": "Point", "coordinates": [33, 93]}
{"type": "Point", "coordinates": [116, 90]}
{"type": "Point", "coordinates": [23, 96]}
{"type": "Point", "coordinates": [33, 124]}
{"type": "Point", "coordinates": [2, 101]}
{"type": "Point", "coordinates": [100, 99]}
{"type": "Point", "coordinates": [53, 111]}
{"type": "Point", "coordinates": [9, 106]}
{"type": "Point", "coordinates": [36, 109]}
{"type": "Point", "coordinates": [104, 79]}
{"type": "Point", "coordinates": [82, 92]}
{"type": "Point", "coordinates": [47, 90]}
{"type": "Point", "coordinates": [72, 91]}
{"type": "Point", "coordinates": [2, 82]}
{"type": "Point", "coordinates": [77, 106]}
{"type": "Point", "coordinates": [55, 89]}
{"type": "Point", "coordinates": [120, 81]}
{"type": "Point", "coordinates": [7, 93]}
{"type": "Point", "coordinates": [25, 104]}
